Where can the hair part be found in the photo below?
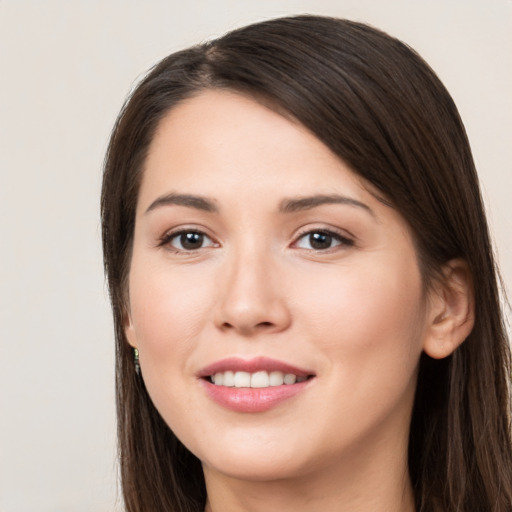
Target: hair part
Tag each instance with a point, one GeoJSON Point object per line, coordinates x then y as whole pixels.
{"type": "Point", "coordinates": [378, 106]}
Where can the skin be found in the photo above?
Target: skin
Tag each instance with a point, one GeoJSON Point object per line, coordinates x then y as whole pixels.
{"type": "Point", "coordinates": [355, 312]}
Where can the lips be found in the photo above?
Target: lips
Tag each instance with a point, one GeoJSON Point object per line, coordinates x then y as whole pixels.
{"type": "Point", "coordinates": [254, 385]}
{"type": "Point", "coordinates": [252, 366]}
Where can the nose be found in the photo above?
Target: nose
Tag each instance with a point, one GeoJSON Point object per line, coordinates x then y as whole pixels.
{"type": "Point", "coordinates": [251, 299]}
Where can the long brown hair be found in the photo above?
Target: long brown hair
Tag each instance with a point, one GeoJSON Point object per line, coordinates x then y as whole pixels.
{"type": "Point", "coordinates": [377, 105]}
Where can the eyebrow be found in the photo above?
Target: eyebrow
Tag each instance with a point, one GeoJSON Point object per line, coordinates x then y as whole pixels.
{"type": "Point", "coordinates": [191, 201]}
{"type": "Point", "coordinates": [286, 206]}
{"type": "Point", "coordinates": [309, 202]}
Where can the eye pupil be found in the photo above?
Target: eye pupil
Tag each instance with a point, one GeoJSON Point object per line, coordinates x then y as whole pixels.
{"type": "Point", "coordinates": [320, 240]}
{"type": "Point", "coordinates": [191, 240]}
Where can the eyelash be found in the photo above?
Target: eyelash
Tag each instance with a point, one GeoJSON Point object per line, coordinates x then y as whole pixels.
{"type": "Point", "coordinates": [166, 240]}
{"type": "Point", "coordinates": [343, 241]}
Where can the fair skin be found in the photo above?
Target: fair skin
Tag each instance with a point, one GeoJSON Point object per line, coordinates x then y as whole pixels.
{"type": "Point", "coordinates": [252, 240]}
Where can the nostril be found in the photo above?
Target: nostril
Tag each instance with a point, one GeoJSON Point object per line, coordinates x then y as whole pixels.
{"type": "Point", "coordinates": [226, 326]}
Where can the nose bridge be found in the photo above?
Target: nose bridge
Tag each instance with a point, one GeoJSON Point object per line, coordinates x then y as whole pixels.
{"type": "Point", "coordinates": [251, 298]}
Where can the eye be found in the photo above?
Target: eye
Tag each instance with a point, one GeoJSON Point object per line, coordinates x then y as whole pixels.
{"type": "Point", "coordinates": [322, 240]}
{"type": "Point", "coordinates": [188, 241]}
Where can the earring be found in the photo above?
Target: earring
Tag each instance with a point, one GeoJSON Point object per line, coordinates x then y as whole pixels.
{"type": "Point", "coordinates": [136, 360]}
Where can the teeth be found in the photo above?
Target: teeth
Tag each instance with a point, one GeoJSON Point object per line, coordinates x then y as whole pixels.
{"type": "Point", "coordinates": [242, 380]}
{"type": "Point", "coordinates": [229, 379]}
{"type": "Point", "coordinates": [276, 378]}
{"type": "Point", "coordinates": [289, 378]}
{"type": "Point", "coordinates": [260, 379]}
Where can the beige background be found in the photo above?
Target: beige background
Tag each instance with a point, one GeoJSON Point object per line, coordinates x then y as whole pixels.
{"type": "Point", "coordinates": [65, 68]}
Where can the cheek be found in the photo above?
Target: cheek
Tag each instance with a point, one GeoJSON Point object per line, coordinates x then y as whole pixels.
{"type": "Point", "coordinates": [370, 310]}
{"type": "Point", "coordinates": [168, 311]}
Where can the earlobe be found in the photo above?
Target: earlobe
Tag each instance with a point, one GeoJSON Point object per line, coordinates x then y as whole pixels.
{"type": "Point", "coordinates": [129, 330]}
{"type": "Point", "coordinates": [452, 313]}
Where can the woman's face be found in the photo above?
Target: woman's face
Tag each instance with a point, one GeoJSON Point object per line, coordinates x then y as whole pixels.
{"type": "Point", "coordinates": [260, 259]}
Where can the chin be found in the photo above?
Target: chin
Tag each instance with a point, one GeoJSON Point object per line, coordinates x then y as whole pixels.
{"type": "Point", "coordinates": [256, 467]}
{"type": "Point", "coordinates": [257, 456]}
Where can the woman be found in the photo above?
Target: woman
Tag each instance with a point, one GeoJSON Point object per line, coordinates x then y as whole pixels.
{"type": "Point", "coordinates": [304, 292]}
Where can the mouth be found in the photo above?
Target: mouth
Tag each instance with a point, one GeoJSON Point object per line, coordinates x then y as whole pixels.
{"type": "Point", "coordinates": [260, 379]}
{"type": "Point", "coordinates": [255, 385]}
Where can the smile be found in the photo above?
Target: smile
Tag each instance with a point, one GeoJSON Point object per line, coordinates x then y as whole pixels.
{"type": "Point", "coordinates": [255, 385]}
{"type": "Point", "coordinates": [261, 379]}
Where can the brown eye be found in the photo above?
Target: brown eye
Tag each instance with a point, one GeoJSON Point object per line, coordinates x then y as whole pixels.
{"type": "Point", "coordinates": [322, 240]}
{"type": "Point", "coordinates": [189, 241]}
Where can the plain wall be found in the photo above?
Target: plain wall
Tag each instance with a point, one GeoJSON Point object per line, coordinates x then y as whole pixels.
{"type": "Point", "coordinates": [65, 69]}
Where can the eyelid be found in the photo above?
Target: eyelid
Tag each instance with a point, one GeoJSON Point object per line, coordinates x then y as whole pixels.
{"type": "Point", "coordinates": [168, 236]}
{"type": "Point", "coordinates": [346, 239]}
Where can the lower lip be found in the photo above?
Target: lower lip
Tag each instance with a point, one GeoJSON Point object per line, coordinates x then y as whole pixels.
{"type": "Point", "coordinates": [252, 399]}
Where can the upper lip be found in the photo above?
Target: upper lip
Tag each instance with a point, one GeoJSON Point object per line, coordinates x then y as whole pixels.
{"type": "Point", "coordinates": [257, 364]}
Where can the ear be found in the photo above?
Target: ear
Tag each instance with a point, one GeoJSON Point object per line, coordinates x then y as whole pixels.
{"type": "Point", "coordinates": [129, 330]}
{"type": "Point", "coordinates": [451, 313]}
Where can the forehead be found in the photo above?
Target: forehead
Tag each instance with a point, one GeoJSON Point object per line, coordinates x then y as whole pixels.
{"type": "Point", "coordinates": [220, 140]}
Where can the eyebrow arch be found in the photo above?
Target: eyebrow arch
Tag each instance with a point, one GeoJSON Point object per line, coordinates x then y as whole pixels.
{"type": "Point", "coordinates": [306, 203]}
{"type": "Point", "coordinates": [191, 201]}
